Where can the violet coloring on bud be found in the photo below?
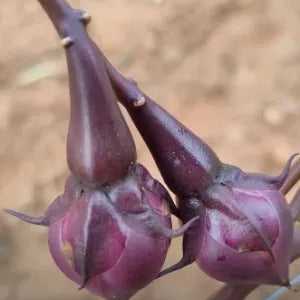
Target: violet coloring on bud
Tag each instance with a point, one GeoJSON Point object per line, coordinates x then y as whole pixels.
{"type": "Point", "coordinates": [248, 233]}
{"type": "Point", "coordinates": [241, 291]}
{"type": "Point", "coordinates": [114, 240]}
{"type": "Point", "coordinates": [245, 230]}
{"type": "Point", "coordinates": [111, 229]}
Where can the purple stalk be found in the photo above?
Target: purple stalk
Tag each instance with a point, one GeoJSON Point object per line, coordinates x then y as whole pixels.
{"type": "Point", "coordinates": [230, 196]}
{"type": "Point", "coordinates": [188, 165]}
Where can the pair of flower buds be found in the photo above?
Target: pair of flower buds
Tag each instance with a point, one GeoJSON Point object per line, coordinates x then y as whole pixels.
{"type": "Point", "coordinates": [111, 228]}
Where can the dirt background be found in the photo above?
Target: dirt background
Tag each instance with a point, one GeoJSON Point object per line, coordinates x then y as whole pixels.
{"type": "Point", "coordinates": [229, 69]}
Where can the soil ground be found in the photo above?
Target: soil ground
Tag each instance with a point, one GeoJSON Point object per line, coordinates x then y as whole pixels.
{"type": "Point", "coordinates": [228, 69]}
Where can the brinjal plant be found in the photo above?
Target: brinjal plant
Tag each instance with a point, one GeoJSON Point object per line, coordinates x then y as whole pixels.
{"type": "Point", "coordinates": [111, 228]}
{"type": "Point", "coordinates": [245, 231]}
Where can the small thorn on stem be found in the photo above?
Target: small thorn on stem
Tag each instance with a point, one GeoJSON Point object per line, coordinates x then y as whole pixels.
{"type": "Point", "coordinates": [82, 285]}
{"type": "Point", "coordinates": [86, 18]}
{"type": "Point", "coordinates": [67, 42]}
{"type": "Point", "coordinates": [140, 101]}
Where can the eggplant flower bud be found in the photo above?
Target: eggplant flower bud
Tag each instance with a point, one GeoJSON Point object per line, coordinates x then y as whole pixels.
{"type": "Point", "coordinates": [245, 229]}
{"type": "Point", "coordinates": [111, 229]}
{"type": "Point", "coordinates": [113, 241]}
{"type": "Point", "coordinates": [247, 234]}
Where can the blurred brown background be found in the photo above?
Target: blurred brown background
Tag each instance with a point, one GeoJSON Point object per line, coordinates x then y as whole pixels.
{"type": "Point", "coordinates": [229, 69]}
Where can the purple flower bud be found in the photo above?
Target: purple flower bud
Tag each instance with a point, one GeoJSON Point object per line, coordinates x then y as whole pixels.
{"type": "Point", "coordinates": [113, 241]}
{"type": "Point", "coordinates": [245, 230]}
{"type": "Point", "coordinates": [240, 292]}
{"type": "Point", "coordinates": [247, 235]}
{"type": "Point", "coordinates": [111, 229]}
